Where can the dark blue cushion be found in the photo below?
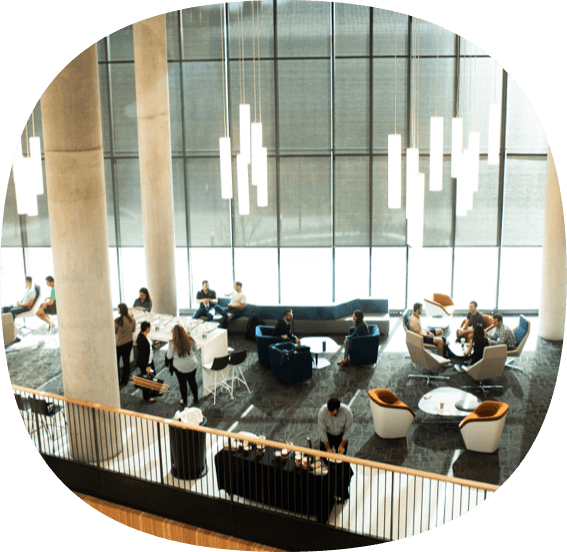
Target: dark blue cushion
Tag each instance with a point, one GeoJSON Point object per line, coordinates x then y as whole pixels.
{"type": "Point", "coordinates": [407, 318]}
{"type": "Point", "coordinates": [521, 331]}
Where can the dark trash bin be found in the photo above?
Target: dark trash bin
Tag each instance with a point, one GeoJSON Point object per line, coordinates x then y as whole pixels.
{"type": "Point", "coordinates": [188, 449]}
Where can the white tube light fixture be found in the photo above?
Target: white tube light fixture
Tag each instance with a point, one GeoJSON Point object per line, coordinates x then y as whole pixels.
{"type": "Point", "coordinates": [245, 132]}
{"type": "Point", "coordinates": [494, 115]}
{"type": "Point", "coordinates": [26, 198]}
{"type": "Point", "coordinates": [394, 171]}
{"type": "Point", "coordinates": [474, 162]}
{"type": "Point", "coordinates": [256, 147]}
{"type": "Point", "coordinates": [416, 219]}
{"type": "Point", "coordinates": [225, 167]}
{"type": "Point", "coordinates": [412, 168]}
{"type": "Point", "coordinates": [35, 156]}
{"type": "Point", "coordinates": [436, 154]}
{"type": "Point", "coordinates": [464, 190]}
{"type": "Point", "coordinates": [243, 191]}
{"type": "Point", "coordinates": [456, 145]}
{"type": "Point", "coordinates": [262, 188]}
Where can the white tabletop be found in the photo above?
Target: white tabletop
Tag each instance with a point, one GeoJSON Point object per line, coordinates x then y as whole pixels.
{"type": "Point", "coordinates": [316, 344]}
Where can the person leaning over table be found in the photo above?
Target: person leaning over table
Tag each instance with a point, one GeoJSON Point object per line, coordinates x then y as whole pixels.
{"type": "Point", "coordinates": [360, 330]}
{"type": "Point", "coordinates": [181, 352]}
{"type": "Point", "coordinates": [282, 328]}
{"type": "Point", "coordinates": [124, 327]}
{"type": "Point", "coordinates": [207, 299]}
{"type": "Point", "coordinates": [335, 426]}
{"type": "Point", "coordinates": [145, 360]}
{"type": "Point", "coordinates": [144, 301]}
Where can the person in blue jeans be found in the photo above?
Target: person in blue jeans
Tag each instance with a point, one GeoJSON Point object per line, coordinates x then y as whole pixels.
{"type": "Point", "coordinates": [236, 306]}
{"type": "Point", "coordinates": [360, 329]}
{"type": "Point", "coordinates": [207, 300]}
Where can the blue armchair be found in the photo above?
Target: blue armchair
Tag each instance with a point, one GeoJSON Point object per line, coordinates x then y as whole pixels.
{"type": "Point", "coordinates": [264, 339]}
{"type": "Point", "coordinates": [364, 350]}
{"type": "Point", "coordinates": [291, 363]}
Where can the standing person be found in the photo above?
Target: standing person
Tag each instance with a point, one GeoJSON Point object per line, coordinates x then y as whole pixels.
{"type": "Point", "coordinates": [428, 337]}
{"type": "Point", "coordinates": [26, 303]}
{"type": "Point", "coordinates": [145, 360]}
{"type": "Point", "coordinates": [473, 318]}
{"type": "Point", "coordinates": [144, 301]}
{"type": "Point", "coordinates": [49, 306]}
{"type": "Point", "coordinates": [282, 327]}
{"type": "Point", "coordinates": [359, 329]}
{"type": "Point", "coordinates": [236, 306]}
{"type": "Point", "coordinates": [335, 426]}
{"type": "Point", "coordinates": [502, 333]}
{"type": "Point", "coordinates": [124, 327]}
{"type": "Point", "coordinates": [207, 299]}
{"type": "Point", "coordinates": [181, 351]}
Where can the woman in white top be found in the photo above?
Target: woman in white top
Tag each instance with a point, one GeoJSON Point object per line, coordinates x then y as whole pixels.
{"type": "Point", "coordinates": [181, 350]}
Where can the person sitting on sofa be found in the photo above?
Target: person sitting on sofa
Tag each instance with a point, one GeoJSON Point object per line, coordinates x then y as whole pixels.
{"type": "Point", "coordinates": [207, 299]}
{"type": "Point", "coordinates": [360, 330]}
{"type": "Point", "coordinates": [235, 308]}
{"type": "Point", "coordinates": [26, 303]}
{"type": "Point", "coordinates": [282, 327]}
{"type": "Point", "coordinates": [428, 337]}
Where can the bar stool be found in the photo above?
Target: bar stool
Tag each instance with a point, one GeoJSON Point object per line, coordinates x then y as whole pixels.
{"type": "Point", "coordinates": [236, 375]}
{"type": "Point", "coordinates": [218, 365]}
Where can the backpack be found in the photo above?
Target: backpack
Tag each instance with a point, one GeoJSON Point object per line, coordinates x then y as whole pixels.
{"type": "Point", "coordinates": [251, 327]}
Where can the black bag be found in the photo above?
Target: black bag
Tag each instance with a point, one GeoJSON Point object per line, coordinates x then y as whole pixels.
{"type": "Point", "coordinates": [251, 327]}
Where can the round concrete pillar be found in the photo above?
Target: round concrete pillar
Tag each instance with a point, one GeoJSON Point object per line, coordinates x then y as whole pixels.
{"type": "Point", "coordinates": [554, 270]}
{"type": "Point", "coordinates": [152, 100]}
{"type": "Point", "coordinates": [74, 168]}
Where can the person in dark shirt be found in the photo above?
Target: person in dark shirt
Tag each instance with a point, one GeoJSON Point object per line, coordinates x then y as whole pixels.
{"type": "Point", "coordinates": [360, 329]}
{"type": "Point", "coordinates": [473, 318]}
{"type": "Point", "coordinates": [144, 301]}
{"type": "Point", "coordinates": [477, 344]}
{"type": "Point", "coordinates": [282, 327]}
{"type": "Point", "coordinates": [207, 299]}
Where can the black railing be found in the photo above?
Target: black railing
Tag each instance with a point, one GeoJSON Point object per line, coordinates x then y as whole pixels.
{"type": "Point", "coordinates": [360, 497]}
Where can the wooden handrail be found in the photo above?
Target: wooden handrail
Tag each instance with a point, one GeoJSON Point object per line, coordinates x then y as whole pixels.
{"type": "Point", "coordinates": [266, 442]}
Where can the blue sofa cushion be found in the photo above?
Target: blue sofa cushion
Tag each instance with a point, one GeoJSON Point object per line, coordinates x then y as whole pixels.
{"type": "Point", "coordinates": [407, 318]}
{"type": "Point", "coordinates": [521, 331]}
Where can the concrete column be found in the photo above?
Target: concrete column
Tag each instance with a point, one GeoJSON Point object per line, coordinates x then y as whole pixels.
{"type": "Point", "coordinates": [76, 199]}
{"type": "Point", "coordinates": [554, 269]}
{"type": "Point", "coordinates": [152, 100]}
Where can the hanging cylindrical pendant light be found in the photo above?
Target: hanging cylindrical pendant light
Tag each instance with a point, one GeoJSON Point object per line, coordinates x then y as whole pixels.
{"type": "Point", "coordinates": [412, 168]}
{"type": "Point", "coordinates": [35, 156]}
{"type": "Point", "coordinates": [225, 167]}
{"type": "Point", "coordinates": [245, 132]}
{"type": "Point", "coordinates": [243, 191]}
{"type": "Point", "coordinates": [456, 145]}
{"type": "Point", "coordinates": [25, 194]}
{"type": "Point", "coordinates": [416, 219]}
{"type": "Point", "coordinates": [474, 164]}
{"type": "Point", "coordinates": [394, 171]}
{"type": "Point", "coordinates": [436, 154]}
{"type": "Point", "coordinates": [494, 115]}
{"type": "Point", "coordinates": [262, 187]}
{"type": "Point", "coordinates": [256, 151]}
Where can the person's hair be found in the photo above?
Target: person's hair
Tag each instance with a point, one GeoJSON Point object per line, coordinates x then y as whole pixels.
{"type": "Point", "coordinates": [49, 279]}
{"type": "Point", "coordinates": [475, 304]}
{"type": "Point", "coordinates": [181, 341]}
{"type": "Point", "coordinates": [123, 309]}
{"type": "Point", "coordinates": [29, 279]}
{"type": "Point", "coordinates": [144, 326]}
{"type": "Point", "coordinates": [239, 284]}
{"type": "Point", "coordinates": [416, 306]}
{"type": "Point", "coordinates": [478, 333]}
{"type": "Point", "coordinates": [359, 318]}
{"type": "Point", "coordinates": [146, 293]}
{"type": "Point", "coordinates": [205, 282]}
{"type": "Point", "coordinates": [333, 404]}
{"type": "Point", "coordinates": [497, 317]}
{"type": "Point", "coordinates": [286, 311]}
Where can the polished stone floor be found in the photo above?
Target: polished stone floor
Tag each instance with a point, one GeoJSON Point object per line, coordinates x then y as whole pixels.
{"type": "Point", "coordinates": [285, 413]}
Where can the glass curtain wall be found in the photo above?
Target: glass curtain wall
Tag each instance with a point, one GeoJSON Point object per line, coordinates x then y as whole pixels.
{"type": "Point", "coordinates": [329, 82]}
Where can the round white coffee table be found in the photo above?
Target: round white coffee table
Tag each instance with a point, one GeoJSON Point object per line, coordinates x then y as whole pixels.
{"type": "Point", "coordinates": [319, 345]}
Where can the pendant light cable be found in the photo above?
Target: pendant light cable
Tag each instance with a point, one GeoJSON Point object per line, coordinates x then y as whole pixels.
{"type": "Point", "coordinates": [259, 65]}
{"type": "Point", "coordinates": [395, 70]}
{"type": "Point", "coordinates": [223, 69]}
{"type": "Point", "coordinates": [437, 78]}
{"type": "Point", "coordinates": [254, 63]}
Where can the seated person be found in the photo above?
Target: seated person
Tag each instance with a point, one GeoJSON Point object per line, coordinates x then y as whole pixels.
{"type": "Point", "coordinates": [144, 302]}
{"type": "Point", "coordinates": [360, 329]}
{"type": "Point", "coordinates": [475, 350]}
{"type": "Point", "coordinates": [282, 327]}
{"type": "Point", "coordinates": [236, 306]}
{"type": "Point", "coordinates": [473, 318]}
{"type": "Point", "coordinates": [49, 306]}
{"type": "Point", "coordinates": [501, 334]}
{"type": "Point", "coordinates": [428, 337]}
{"type": "Point", "coordinates": [207, 299]}
{"type": "Point", "coordinates": [26, 303]}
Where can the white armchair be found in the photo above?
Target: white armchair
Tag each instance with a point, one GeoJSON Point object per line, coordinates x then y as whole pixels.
{"type": "Point", "coordinates": [482, 428]}
{"type": "Point", "coordinates": [392, 418]}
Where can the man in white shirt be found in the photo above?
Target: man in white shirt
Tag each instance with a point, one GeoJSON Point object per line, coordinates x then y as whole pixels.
{"type": "Point", "coordinates": [236, 306]}
{"type": "Point", "coordinates": [428, 337]}
{"type": "Point", "coordinates": [26, 303]}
